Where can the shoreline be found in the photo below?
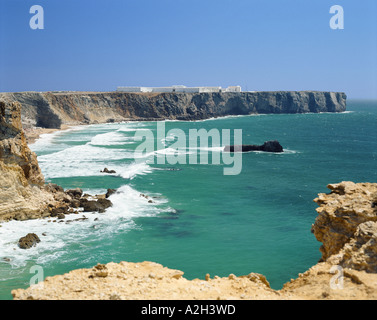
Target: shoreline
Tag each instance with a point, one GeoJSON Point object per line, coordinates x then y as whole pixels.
{"type": "Point", "coordinates": [32, 135]}
{"type": "Point", "coordinates": [351, 259]}
{"type": "Point", "coordinates": [102, 281]}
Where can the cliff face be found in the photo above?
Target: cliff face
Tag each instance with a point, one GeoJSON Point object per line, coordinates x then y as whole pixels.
{"type": "Point", "coordinates": [50, 110]}
{"type": "Point", "coordinates": [346, 225]}
{"type": "Point", "coordinates": [21, 179]}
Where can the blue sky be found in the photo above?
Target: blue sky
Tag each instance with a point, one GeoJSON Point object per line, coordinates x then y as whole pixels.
{"type": "Point", "coordinates": [259, 44]}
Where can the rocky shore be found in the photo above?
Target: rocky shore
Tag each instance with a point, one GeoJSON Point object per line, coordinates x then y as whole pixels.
{"type": "Point", "coordinates": [346, 225]}
{"type": "Point", "coordinates": [24, 194]}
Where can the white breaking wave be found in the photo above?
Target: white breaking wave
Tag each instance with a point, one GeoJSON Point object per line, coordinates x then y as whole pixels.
{"type": "Point", "coordinates": [58, 238]}
{"type": "Point", "coordinates": [132, 129]}
{"type": "Point", "coordinates": [172, 151]}
{"type": "Point", "coordinates": [110, 139]}
{"type": "Point", "coordinates": [47, 140]}
{"type": "Point", "coordinates": [211, 149]}
{"type": "Point", "coordinates": [91, 158]}
{"type": "Point", "coordinates": [85, 160]}
{"type": "Point", "coordinates": [132, 170]}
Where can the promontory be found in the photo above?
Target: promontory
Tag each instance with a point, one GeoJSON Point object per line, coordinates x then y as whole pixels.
{"type": "Point", "coordinates": [54, 109]}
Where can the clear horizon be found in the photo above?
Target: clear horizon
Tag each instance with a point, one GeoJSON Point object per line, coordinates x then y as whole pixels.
{"type": "Point", "coordinates": [259, 45]}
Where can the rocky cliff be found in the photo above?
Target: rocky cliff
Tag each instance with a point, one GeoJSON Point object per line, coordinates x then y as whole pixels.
{"type": "Point", "coordinates": [51, 110]}
{"type": "Point", "coordinates": [21, 180]}
{"type": "Point", "coordinates": [23, 193]}
{"type": "Point", "coordinates": [346, 225]}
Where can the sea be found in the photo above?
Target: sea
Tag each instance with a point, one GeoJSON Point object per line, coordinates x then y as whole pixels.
{"type": "Point", "coordinates": [175, 204]}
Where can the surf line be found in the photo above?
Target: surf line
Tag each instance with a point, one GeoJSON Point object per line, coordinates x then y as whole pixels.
{"type": "Point", "coordinates": [197, 138]}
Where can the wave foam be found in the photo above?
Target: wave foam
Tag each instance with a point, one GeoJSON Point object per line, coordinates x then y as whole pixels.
{"type": "Point", "coordinates": [110, 139]}
{"type": "Point", "coordinates": [85, 160]}
{"type": "Point", "coordinates": [62, 238]}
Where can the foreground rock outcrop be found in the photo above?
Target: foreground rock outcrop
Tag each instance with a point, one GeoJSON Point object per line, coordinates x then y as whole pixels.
{"type": "Point", "coordinates": [23, 192]}
{"type": "Point", "coordinates": [54, 109]}
{"type": "Point", "coordinates": [346, 225]}
{"type": "Point", "coordinates": [21, 180]}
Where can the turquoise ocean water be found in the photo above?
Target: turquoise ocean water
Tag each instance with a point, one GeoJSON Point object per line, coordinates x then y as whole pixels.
{"type": "Point", "coordinates": [200, 220]}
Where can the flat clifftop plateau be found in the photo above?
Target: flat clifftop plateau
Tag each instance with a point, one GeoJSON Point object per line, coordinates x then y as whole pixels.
{"type": "Point", "coordinates": [52, 109]}
{"type": "Point", "coordinates": [346, 225]}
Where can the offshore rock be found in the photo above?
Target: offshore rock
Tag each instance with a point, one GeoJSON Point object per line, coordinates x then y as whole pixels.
{"type": "Point", "coordinates": [107, 171]}
{"type": "Point", "coordinates": [268, 146]}
{"type": "Point", "coordinates": [30, 240]}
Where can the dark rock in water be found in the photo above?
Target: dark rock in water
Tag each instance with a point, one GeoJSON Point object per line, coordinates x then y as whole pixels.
{"type": "Point", "coordinates": [30, 240]}
{"type": "Point", "coordinates": [90, 206]}
{"type": "Point", "coordinates": [58, 210]}
{"type": "Point", "coordinates": [83, 201]}
{"type": "Point", "coordinates": [96, 206]}
{"type": "Point", "coordinates": [110, 192]}
{"type": "Point", "coordinates": [75, 193]}
{"type": "Point", "coordinates": [61, 216]}
{"type": "Point", "coordinates": [108, 171]}
{"type": "Point", "coordinates": [269, 146]}
{"type": "Point", "coordinates": [105, 203]}
{"type": "Point", "coordinates": [53, 187]}
{"type": "Point", "coordinates": [75, 203]}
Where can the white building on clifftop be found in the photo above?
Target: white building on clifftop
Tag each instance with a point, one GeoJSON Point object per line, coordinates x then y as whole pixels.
{"type": "Point", "coordinates": [179, 88]}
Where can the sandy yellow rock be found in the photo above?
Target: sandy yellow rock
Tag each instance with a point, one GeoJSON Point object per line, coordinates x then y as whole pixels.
{"type": "Point", "coordinates": [349, 273]}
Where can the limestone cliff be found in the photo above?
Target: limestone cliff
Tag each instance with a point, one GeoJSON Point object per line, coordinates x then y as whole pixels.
{"type": "Point", "coordinates": [346, 225]}
{"type": "Point", "coordinates": [21, 179]}
{"type": "Point", "coordinates": [51, 110]}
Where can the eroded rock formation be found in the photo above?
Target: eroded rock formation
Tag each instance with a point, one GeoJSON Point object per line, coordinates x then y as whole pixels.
{"type": "Point", "coordinates": [346, 225]}
{"type": "Point", "coordinates": [21, 180]}
{"type": "Point", "coordinates": [23, 193]}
